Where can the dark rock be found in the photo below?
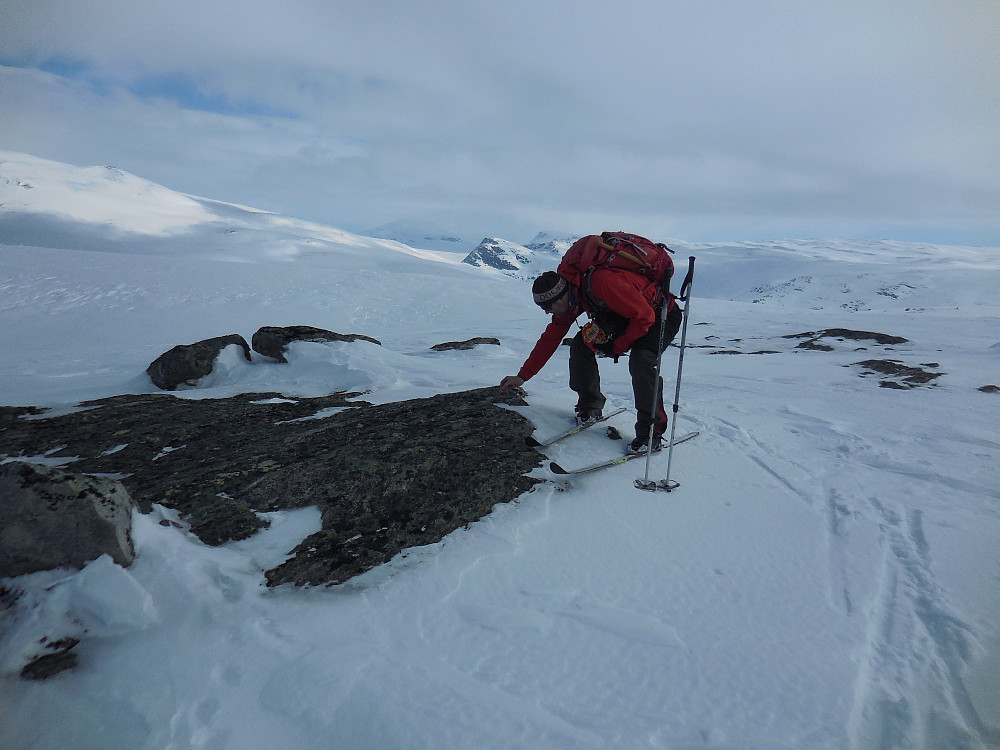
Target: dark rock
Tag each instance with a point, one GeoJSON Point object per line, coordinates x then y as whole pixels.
{"type": "Point", "coordinates": [812, 337]}
{"type": "Point", "coordinates": [218, 519]}
{"type": "Point", "coordinates": [989, 388]}
{"type": "Point", "coordinates": [187, 363]}
{"type": "Point", "coordinates": [909, 377]}
{"type": "Point", "coordinates": [272, 341]}
{"type": "Point", "coordinates": [735, 351]}
{"type": "Point", "coordinates": [58, 658]}
{"type": "Point", "coordinates": [385, 477]}
{"type": "Point", "coordinates": [901, 377]}
{"type": "Point", "coordinates": [878, 338]}
{"type": "Point", "coordinates": [52, 518]}
{"type": "Point", "coordinates": [892, 384]}
{"type": "Point", "coordinates": [467, 344]}
{"type": "Point", "coordinates": [815, 345]}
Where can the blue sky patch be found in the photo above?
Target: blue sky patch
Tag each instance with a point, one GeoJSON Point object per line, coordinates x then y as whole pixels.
{"type": "Point", "coordinates": [180, 88]}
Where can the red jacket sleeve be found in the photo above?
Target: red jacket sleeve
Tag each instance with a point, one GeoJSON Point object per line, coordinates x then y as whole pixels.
{"type": "Point", "coordinates": [622, 291]}
{"type": "Point", "coordinates": [547, 344]}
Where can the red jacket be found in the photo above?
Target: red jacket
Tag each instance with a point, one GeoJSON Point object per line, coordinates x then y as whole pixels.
{"type": "Point", "coordinates": [621, 292]}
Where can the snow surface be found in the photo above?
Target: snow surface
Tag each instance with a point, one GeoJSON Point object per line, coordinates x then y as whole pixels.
{"type": "Point", "coordinates": [826, 576]}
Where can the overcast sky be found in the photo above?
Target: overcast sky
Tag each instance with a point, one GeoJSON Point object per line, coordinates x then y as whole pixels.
{"type": "Point", "coordinates": [690, 119]}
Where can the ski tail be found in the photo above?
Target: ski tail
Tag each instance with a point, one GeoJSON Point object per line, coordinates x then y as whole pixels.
{"type": "Point", "coordinates": [557, 469]}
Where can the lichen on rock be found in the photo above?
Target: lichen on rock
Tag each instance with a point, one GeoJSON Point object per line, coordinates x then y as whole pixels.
{"type": "Point", "coordinates": [385, 477]}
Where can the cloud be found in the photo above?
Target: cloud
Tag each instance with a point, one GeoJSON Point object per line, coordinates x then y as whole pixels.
{"type": "Point", "coordinates": [711, 119]}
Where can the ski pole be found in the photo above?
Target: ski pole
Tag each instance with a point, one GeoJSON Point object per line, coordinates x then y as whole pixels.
{"type": "Point", "coordinates": [685, 296]}
{"type": "Point", "coordinates": [644, 483]}
{"type": "Point", "coordinates": [657, 390]}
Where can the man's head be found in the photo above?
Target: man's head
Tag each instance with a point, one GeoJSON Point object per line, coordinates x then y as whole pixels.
{"type": "Point", "coordinates": [550, 290]}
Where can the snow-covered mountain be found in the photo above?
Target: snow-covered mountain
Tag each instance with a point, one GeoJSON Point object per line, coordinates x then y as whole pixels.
{"type": "Point", "coordinates": [518, 261]}
{"type": "Point", "coordinates": [551, 244]}
{"type": "Point", "coordinates": [50, 204]}
{"type": "Point", "coordinates": [825, 576]}
{"type": "Point", "coordinates": [497, 253]}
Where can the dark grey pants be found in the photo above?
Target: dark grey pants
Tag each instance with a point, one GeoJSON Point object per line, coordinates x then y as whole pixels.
{"type": "Point", "coordinates": [585, 377]}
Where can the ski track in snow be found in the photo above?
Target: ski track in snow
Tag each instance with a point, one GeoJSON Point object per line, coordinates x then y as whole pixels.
{"type": "Point", "coordinates": [910, 679]}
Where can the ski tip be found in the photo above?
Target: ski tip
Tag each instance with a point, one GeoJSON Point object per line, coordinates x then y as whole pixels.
{"type": "Point", "coordinates": [557, 469]}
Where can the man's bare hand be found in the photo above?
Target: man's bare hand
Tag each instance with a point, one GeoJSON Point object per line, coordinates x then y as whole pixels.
{"type": "Point", "coordinates": [511, 381]}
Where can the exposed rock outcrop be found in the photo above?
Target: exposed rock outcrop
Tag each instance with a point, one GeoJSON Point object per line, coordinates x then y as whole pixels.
{"type": "Point", "coordinates": [187, 363]}
{"type": "Point", "coordinates": [52, 518]}
{"type": "Point", "coordinates": [813, 338]}
{"type": "Point", "coordinates": [899, 376]}
{"type": "Point", "coordinates": [272, 341]}
{"type": "Point", "coordinates": [385, 477]}
{"type": "Point", "coordinates": [467, 344]}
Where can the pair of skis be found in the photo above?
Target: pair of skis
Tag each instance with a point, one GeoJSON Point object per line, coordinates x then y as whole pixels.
{"type": "Point", "coordinates": [557, 469]}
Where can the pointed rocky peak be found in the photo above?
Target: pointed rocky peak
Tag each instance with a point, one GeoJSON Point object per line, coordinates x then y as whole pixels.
{"type": "Point", "coordinates": [502, 255]}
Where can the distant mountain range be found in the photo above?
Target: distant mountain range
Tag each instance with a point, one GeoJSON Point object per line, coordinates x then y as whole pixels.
{"type": "Point", "coordinates": [520, 261]}
{"type": "Point", "coordinates": [48, 204]}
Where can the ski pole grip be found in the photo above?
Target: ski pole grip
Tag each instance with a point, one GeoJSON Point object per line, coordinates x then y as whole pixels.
{"type": "Point", "coordinates": [686, 286]}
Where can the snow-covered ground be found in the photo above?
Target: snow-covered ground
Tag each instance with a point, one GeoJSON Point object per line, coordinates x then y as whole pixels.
{"type": "Point", "coordinates": [826, 576]}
